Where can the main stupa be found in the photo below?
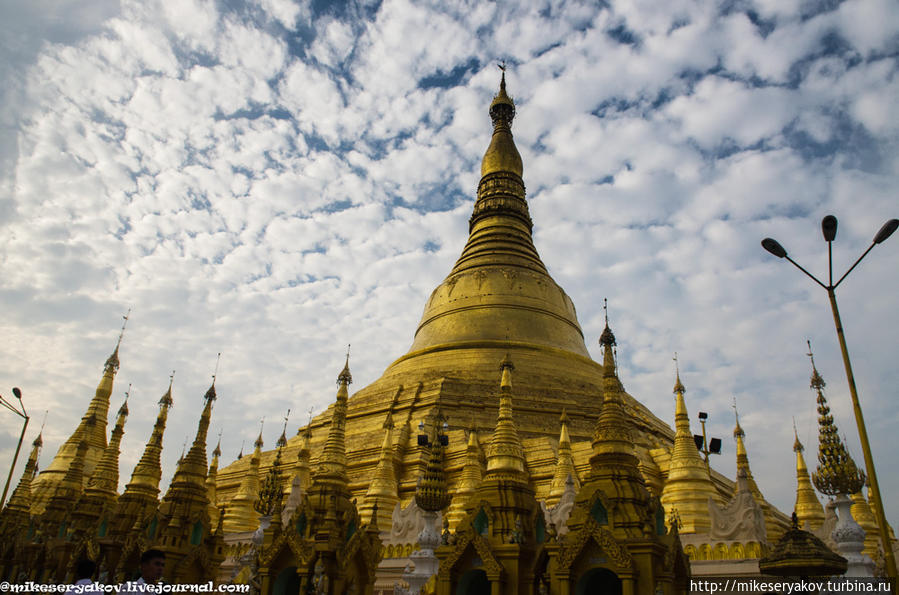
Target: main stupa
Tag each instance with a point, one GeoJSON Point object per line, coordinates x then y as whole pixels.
{"type": "Point", "coordinates": [498, 300]}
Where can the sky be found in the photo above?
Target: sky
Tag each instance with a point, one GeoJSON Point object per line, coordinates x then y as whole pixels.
{"type": "Point", "coordinates": [274, 180]}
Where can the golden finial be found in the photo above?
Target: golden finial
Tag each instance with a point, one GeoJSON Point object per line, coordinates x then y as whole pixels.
{"type": "Point", "coordinates": [607, 338]}
{"type": "Point", "coordinates": [678, 385]}
{"type": "Point", "coordinates": [738, 431]}
{"type": "Point", "coordinates": [112, 363]}
{"type": "Point", "coordinates": [122, 332]}
{"type": "Point", "coordinates": [502, 108]}
{"type": "Point", "coordinates": [282, 440]}
{"type": "Point", "coordinates": [345, 377]}
{"type": "Point", "coordinates": [797, 445]}
{"type": "Point", "coordinates": [210, 394]}
{"type": "Point", "coordinates": [39, 441]}
{"type": "Point", "coordinates": [259, 443]}
{"type": "Point", "coordinates": [240, 454]}
{"type": "Point", "coordinates": [166, 399]}
{"type": "Point", "coordinates": [123, 410]}
{"type": "Point", "coordinates": [218, 446]}
{"type": "Point", "coordinates": [817, 381]}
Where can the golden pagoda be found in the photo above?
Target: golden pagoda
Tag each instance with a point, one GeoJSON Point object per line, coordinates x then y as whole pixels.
{"type": "Point", "coordinates": [239, 513]}
{"type": "Point", "coordinates": [689, 487]}
{"type": "Point", "coordinates": [498, 303]}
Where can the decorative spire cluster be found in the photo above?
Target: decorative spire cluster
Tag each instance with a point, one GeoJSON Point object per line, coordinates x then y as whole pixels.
{"type": "Point", "coordinates": [431, 493]}
{"type": "Point", "coordinates": [271, 493]}
{"type": "Point", "coordinates": [836, 472]}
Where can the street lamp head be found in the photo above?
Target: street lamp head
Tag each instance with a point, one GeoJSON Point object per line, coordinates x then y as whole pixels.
{"type": "Point", "coordinates": [17, 392]}
{"type": "Point", "coordinates": [886, 231]}
{"type": "Point", "coordinates": [772, 246]}
{"type": "Point", "coordinates": [829, 228]}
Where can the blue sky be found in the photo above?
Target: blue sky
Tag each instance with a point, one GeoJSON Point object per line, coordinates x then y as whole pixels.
{"type": "Point", "coordinates": [273, 180]}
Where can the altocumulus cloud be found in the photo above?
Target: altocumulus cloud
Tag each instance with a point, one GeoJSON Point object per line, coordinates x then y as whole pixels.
{"type": "Point", "coordinates": [273, 180]}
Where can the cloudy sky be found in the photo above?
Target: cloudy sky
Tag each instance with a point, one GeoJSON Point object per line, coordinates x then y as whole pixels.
{"type": "Point", "coordinates": [274, 180]}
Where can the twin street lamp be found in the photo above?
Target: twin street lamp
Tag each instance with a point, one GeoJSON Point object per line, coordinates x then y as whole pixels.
{"type": "Point", "coordinates": [829, 229]}
{"type": "Point", "coordinates": [24, 415]}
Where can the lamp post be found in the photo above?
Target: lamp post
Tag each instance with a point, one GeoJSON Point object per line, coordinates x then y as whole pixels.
{"type": "Point", "coordinates": [705, 445]}
{"type": "Point", "coordinates": [24, 415]}
{"type": "Point", "coordinates": [829, 229]}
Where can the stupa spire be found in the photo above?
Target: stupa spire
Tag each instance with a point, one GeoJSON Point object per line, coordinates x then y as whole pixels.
{"type": "Point", "coordinates": [505, 454]}
{"type": "Point", "coordinates": [93, 433]}
{"type": "Point", "coordinates": [472, 475]}
{"type": "Point", "coordinates": [330, 485]}
{"type": "Point", "coordinates": [211, 477]}
{"type": "Point", "coordinates": [808, 508]}
{"type": "Point", "coordinates": [148, 471]}
{"type": "Point", "coordinates": [188, 485]}
{"type": "Point", "coordinates": [564, 465]}
{"type": "Point", "coordinates": [383, 487]}
{"type": "Point", "coordinates": [689, 487]}
{"type": "Point", "coordinates": [742, 456]}
{"type": "Point", "coordinates": [333, 458]}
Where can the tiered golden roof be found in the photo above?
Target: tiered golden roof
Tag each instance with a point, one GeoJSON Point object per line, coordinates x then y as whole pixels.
{"type": "Point", "coordinates": [836, 472]}
{"type": "Point", "coordinates": [808, 508]}
{"type": "Point", "coordinates": [799, 553]}
{"type": "Point", "coordinates": [16, 514]}
{"type": "Point", "coordinates": [91, 430]}
{"type": "Point", "coordinates": [688, 487]}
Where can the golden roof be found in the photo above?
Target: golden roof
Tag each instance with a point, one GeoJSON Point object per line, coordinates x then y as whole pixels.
{"type": "Point", "coordinates": [799, 553]}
